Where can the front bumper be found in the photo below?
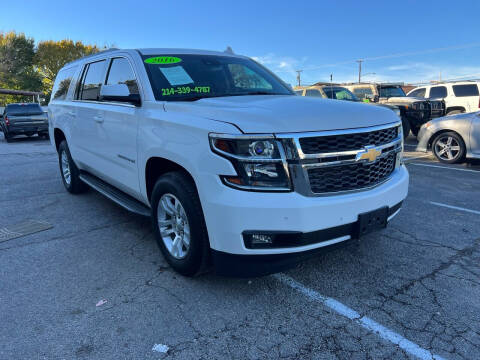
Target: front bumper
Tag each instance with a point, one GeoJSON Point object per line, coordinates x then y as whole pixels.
{"type": "Point", "coordinates": [424, 136]}
{"type": "Point", "coordinates": [229, 213]}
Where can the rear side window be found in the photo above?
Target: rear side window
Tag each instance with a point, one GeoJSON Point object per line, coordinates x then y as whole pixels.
{"type": "Point", "coordinates": [361, 92]}
{"type": "Point", "coordinates": [418, 93]}
{"type": "Point", "coordinates": [313, 92]}
{"type": "Point", "coordinates": [62, 83]}
{"type": "Point", "coordinates": [92, 80]}
{"type": "Point", "coordinates": [121, 73]}
{"type": "Point", "coordinates": [438, 92]}
{"type": "Point", "coordinates": [465, 90]}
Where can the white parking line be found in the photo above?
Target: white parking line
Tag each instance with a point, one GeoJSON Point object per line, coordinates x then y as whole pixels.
{"type": "Point", "coordinates": [405, 158]}
{"type": "Point", "coordinates": [455, 208]}
{"type": "Point", "coordinates": [363, 321]}
{"type": "Point", "coordinates": [444, 167]}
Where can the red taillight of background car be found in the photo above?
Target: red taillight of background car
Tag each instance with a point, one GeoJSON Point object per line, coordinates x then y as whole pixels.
{"type": "Point", "coordinates": [7, 122]}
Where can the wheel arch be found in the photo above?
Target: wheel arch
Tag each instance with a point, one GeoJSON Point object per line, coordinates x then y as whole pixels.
{"type": "Point", "coordinates": [59, 136]}
{"type": "Point", "coordinates": [439, 132]}
{"type": "Point", "coordinates": [454, 108]}
{"type": "Point", "coordinates": [158, 166]}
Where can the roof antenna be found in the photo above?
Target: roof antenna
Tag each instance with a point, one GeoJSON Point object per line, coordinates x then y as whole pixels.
{"type": "Point", "coordinates": [229, 50]}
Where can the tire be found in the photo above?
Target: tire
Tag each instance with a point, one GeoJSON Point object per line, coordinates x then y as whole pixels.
{"type": "Point", "coordinates": [8, 137]}
{"type": "Point", "coordinates": [449, 147]}
{"type": "Point", "coordinates": [415, 131]}
{"type": "Point", "coordinates": [191, 256]}
{"type": "Point", "coordinates": [406, 127]}
{"type": "Point", "coordinates": [69, 171]}
{"type": "Point", "coordinates": [453, 112]}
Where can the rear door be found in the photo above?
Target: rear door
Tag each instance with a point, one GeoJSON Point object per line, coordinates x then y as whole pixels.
{"type": "Point", "coordinates": [89, 115]}
{"type": "Point", "coordinates": [119, 130]}
{"type": "Point", "coordinates": [475, 134]}
{"type": "Point", "coordinates": [467, 95]}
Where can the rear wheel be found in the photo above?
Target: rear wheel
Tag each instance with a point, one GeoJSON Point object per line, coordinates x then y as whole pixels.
{"type": "Point", "coordinates": [449, 148]}
{"type": "Point", "coordinates": [179, 225]}
{"type": "Point", "coordinates": [69, 171]}
{"type": "Point", "coordinates": [8, 137]}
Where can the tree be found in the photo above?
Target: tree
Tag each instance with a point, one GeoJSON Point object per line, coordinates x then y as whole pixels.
{"type": "Point", "coordinates": [51, 56]}
{"type": "Point", "coordinates": [16, 64]}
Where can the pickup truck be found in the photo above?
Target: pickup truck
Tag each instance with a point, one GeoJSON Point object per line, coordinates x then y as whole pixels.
{"type": "Point", "coordinates": [235, 171]}
{"type": "Point", "coordinates": [23, 119]}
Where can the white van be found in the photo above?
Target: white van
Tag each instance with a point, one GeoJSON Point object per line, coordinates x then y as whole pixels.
{"type": "Point", "coordinates": [459, 96]}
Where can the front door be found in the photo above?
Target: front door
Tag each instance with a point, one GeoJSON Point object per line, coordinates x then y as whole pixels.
{"type": "Point", "coordinates": [118, 131]}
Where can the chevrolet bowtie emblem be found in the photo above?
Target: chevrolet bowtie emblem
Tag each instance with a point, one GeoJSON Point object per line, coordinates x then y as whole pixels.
{"type": "Point", "coordinates": [371, 153]}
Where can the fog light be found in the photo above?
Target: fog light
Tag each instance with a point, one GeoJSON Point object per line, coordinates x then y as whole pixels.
{"type": "Point", "coordinates": [261, 239]}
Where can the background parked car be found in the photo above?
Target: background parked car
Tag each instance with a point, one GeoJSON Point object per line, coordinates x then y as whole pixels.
{"type": "Point", "coordinates": [336, 92]}
{"type": "Point", "coordinates": [459, 96]}
{"type": "Point", "coordinates": [452, 138]}
{"type": "Point", "coordinates": [23, 119]}
{"type": "Point", "coordinates": [414, 111]}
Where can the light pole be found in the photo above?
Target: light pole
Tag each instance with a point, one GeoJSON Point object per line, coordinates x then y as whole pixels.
{"type": "Point", "coordinates": [359, 70]}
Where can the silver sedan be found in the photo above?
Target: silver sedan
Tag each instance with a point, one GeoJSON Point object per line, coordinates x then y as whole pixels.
{"type": "Point", "coordinates": [453, 138]}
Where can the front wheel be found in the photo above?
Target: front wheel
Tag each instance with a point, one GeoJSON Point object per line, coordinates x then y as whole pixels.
{"type": "Point", "coordinates": [179, 225]}
{"type": "Point", "coordinates": [449, 148]}
{"type": "Point", "coordinates": [405, 127]}
{"type": "Point", "coordinates": [69, 171]}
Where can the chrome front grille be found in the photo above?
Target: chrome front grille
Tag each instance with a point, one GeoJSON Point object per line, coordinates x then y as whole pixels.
{"type": "Point", "coordinates": [346, 142]}
{"type": "Point", "coordinates": [351, 177]}
{"type": "Point", "coordinates": [342, 161]}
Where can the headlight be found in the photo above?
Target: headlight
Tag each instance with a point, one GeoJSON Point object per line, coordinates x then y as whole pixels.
{"type": "Point", "coordinates": [397, 111]}
{"type": "Point", "coordinates": [259, 161]}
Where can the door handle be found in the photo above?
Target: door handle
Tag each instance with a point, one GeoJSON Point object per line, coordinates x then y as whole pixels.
{"type": "Point", "coordinates": [98, 119]}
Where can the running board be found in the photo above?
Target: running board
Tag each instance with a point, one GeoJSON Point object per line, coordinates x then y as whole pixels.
{"type": "Point", "coordinates": [118, 196]}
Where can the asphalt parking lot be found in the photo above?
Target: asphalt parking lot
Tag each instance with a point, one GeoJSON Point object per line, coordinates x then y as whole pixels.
{"type": "Point", "coordinates": [410, 291]}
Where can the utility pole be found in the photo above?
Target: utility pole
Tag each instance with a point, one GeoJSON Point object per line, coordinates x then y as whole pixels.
{"type": "Point", "coordinates": [298, 76]}
{"type": "Point", "coordinates": [359, 70]}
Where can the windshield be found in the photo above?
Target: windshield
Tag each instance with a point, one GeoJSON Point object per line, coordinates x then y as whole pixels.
{"type": "Point", "coordinates": [23, 109]}
{"type": "Point", "coordinates": [339, 93]}
{"type": "Point", "coordinates": [390, 91]}
{"type": "Point", "coordinates": [192, 77]}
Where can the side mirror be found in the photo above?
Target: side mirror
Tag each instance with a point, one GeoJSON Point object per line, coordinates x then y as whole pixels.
{"type": "Point", "coordinates": [120, 93]}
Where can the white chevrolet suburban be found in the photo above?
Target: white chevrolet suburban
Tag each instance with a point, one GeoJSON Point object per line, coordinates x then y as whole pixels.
{"type": "Point", "coordinates": [234, 169]}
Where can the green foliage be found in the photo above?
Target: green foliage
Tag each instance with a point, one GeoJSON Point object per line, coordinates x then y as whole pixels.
{"type": "Point", "coordinates": [51, 56]}
{"type": "Point", "coordinates": [26, 67]}
{"type": "Point", "coordinates": [16, 64]}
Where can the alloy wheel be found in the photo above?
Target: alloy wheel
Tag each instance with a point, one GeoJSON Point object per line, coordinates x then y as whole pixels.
{"type": "Point", "coordinates": [66, 168]}
{"type": "Point", "coordinates": [174, 226]}
{"type": "Point", "coordinates": [447, 148]}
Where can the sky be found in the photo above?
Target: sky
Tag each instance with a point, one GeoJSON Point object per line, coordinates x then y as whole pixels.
{"type": "Point", "coordinates": [399, 41]}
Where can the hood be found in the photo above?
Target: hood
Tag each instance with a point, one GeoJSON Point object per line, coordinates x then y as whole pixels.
{"type": "Point", "coordinates": [285, 113]}
{"type": "Point", "coordinates": [401, 100]}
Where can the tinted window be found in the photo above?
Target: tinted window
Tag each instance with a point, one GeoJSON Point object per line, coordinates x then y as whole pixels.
{"type": "Point", "coordinates": [418, 93]}
{"type": "Point", "coordinates": [339, 93]}
{"type": "Point", "coordinates": [438, 92]}
{"type": "Point", "coordinates": [391, 91]}
{"type": "Point", "coordinates": [188, 77]}
{"type": "Point", "coordinates": [361, 92]}
{"type": "Point", "coordinates": [465, 90]}
{"type": "Point", "coordinates": [23, 109]}
{"type": "Point", "coordinates": [299, 92]}
{"type": "Point", "coordinates": [313, 92]}
{"type": "Point", "coordinates": [121, 73]}
{"type": "Point", "coordinates": [92, 80]}
{"type": "Point", "coordinates": [62, 83]}
{"type": "Point", "coordinates": [245, 78]}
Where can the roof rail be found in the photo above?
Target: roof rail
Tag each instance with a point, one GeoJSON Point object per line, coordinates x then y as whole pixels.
{"type": "Point", "coordinates": [92, 55]}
